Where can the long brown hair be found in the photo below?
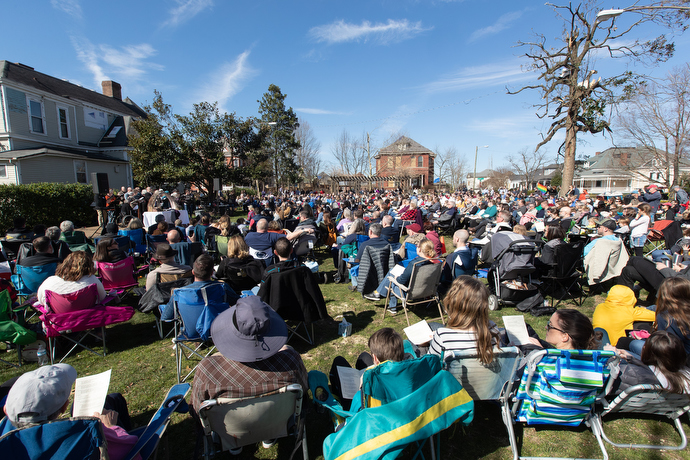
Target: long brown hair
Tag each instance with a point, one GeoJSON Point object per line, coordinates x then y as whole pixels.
{"type": "Point", "coordinates": [467, 303]}
{"type": "Point", "coordinates": [673, 299]}
{"type": "Point", "coordinates": [75, 266]}
{"type": "Point", "coordinates": [666, 352]}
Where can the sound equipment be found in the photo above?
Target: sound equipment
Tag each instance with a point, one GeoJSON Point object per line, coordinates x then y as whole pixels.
{"type": "Point", "coordinates": [100, 183]}
{"type": "Point", "coordinates": [216, 184]}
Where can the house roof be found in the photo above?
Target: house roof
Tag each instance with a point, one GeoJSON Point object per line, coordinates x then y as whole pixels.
{"type": "Point", "coordinates": [63, 152]}
{"type": "Point", "coordinates": [614, 158]}
{"type": "Point", "coordinates": [25, 75]}
{"type": "Point", "coordinates": [484, 173]}
{"type": "Point", "coordinates": [413, 148]}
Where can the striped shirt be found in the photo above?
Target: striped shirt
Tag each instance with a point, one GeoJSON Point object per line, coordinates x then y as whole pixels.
{"type": "Point", "coordinates": [449, 339]}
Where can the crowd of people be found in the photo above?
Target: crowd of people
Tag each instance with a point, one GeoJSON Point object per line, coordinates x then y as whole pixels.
{"type": "Point", "coordinates": [251, 337]}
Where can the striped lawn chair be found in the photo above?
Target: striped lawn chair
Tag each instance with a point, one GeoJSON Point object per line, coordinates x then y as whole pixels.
{"type": "Point", "coordinates": [559, 387]}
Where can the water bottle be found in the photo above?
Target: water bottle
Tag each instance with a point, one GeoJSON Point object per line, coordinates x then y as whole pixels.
{"type": "Point", "coordinates": [42, 355]}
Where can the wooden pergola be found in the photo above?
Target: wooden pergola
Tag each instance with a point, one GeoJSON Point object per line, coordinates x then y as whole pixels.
{"type": "Point", "coordinates": [355, 181]}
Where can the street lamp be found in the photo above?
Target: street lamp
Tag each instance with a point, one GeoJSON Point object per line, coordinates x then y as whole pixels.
{"type": "Point", "coordinates": [605, 15]}
{"type": "Point", "coordinates": [474, 177]}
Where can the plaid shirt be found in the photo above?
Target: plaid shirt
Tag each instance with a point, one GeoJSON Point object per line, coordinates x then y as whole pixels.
{"type": "Point", "coordinates": [219, 377]}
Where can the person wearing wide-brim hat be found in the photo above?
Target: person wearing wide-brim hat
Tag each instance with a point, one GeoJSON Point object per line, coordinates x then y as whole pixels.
{"type": "Point", "coordinates": [165, 254]}
{"type": "Point", "coordinates": [252, 357]}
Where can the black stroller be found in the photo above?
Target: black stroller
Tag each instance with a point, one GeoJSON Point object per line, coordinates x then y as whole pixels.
{"type": "Point", "coordinates": [509, 277]}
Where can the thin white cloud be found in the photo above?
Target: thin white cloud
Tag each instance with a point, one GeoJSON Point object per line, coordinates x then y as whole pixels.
{"type": "Point", "coordinates": [127, 64]}
{"type": "Point", "coordinates": [87, 54]}
{"type": "Point", "coordinates": [71, 7]}
{"type": "Point", "coordinates": [320, 111]}
{"type": "Point", "coordinates": [390, 32]}
{"type": "Point", "coordinates": [479, 76]}
{"type": "Point", "coordinates": [500, 25]}
{"type": "Point", "coordinates": [185, 10]}
{"type": "Point", "coordinates": [226, 81]}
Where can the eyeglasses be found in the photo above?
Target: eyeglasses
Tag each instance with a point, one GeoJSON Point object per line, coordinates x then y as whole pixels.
{"type": "Point", "coordinates": [549, 327]}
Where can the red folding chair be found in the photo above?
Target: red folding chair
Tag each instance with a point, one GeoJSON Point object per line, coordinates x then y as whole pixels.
{"type": "Point", "coordinates": [118, 276]}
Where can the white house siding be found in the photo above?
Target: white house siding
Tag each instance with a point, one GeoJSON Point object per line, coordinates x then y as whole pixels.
{"type": "Point", "coordinates": [115, 179]}
{"type": "Point", "coordinates": [47, 169]}
{"type": "Point", "coordinates": [11, 172]}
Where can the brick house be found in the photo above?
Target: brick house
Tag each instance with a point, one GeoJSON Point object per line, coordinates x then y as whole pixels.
{"type": "Point", "coordinates": [406, 157]}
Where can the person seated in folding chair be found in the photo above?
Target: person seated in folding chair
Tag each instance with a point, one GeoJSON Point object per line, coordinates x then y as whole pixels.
{"type": "Point", "coordinates": [203, 271]}
{"type": "Point", "coordinates": [462, 261]}
{"type": "Point", "coordinates": [75, 273]}
{"type": "Point", "coordinates": [19, 230]}
{"type": "Point", "coordinates": [43, 394]}
{"type": "Point", "coordinates": [414, 236]}
{"type": "Point", "coordinates": [425, 254]}
{"type": "Point", "coordinates": [107, 250]}
{"type": "Point", "coordinates": [262, 242]}
{"type": "Point", "coordinates": [165, 254]}
{"type": "Point", "coordinates": [253, 357]}
{"type": "Point", "coordinates": [384, 345]}
{"type": "Point", "coordinates": [44, 253]}
{"type": "Point", "coordinates": [239, 268]}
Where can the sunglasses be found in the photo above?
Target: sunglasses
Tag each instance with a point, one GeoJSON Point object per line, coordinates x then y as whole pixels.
{"type": "Point", "coordinates": [549, 326]}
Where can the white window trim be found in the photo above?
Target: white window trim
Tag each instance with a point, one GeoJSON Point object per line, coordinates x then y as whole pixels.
{"type": "Point", "coordinates": [69, 127]}
{"type": "Point", "coordinates": [86, 171]}
{"type": "Point", "coordinates": [39, 100]}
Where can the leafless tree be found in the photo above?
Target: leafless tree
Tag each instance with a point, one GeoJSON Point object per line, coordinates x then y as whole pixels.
{"type": "Point", "coordinates": [500, 177]}
{"type": "Point", "coordinates": [308, 156]}
{"type": "Point", "coordinates": [527, 163]}
{"type": "Point", "coordinates": [570, 94]}
{"type": "Point", "coordinates": [451, 167]}
{"type": "Point", "coordinates": [657, 118]}
{"type": "Point", "coordinates": [350, 154]}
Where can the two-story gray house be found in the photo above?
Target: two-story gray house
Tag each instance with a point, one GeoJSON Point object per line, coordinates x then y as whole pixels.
{"type": "Point", "coordinates": [55, 131]}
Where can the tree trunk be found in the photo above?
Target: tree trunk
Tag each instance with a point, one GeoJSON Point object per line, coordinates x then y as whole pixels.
{"type": "Point", "coordinates": [569, 158]}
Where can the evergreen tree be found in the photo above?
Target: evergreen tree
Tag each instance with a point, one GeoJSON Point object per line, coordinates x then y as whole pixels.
{"type": "Point", "coordinates": [281, 143]}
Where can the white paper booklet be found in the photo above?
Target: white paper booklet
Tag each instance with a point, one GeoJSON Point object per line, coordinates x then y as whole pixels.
{"type": "Point", "coordinates": [419, 333]}
{"type": "Point", "coordinates": [397, 270]}
{"type": "Point", "coordinates": [516, 330]}
{"type": "Point", "coordinates": [350, 379]}
{"type": "Point", "coordinates": [90, 393]}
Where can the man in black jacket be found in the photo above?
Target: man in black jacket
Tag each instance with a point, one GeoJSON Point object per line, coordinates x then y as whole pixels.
{"type": "Point", "coordinates": [44, 254]}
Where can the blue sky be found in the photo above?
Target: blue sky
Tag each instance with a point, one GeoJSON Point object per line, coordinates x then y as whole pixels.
{"type": "Point", "coordinates": [435, 70]}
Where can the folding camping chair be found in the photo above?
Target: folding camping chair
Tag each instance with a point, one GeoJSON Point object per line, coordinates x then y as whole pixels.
{"type": "Point", "coordinates": [118, 276]}
{"type": "Point", "coordinates": [402, 403]}
{"type": "Point", "coordinates": [238, 422]}
{"type": "Point", "coordinates": [11, 330]}
{"type": "Point", "coordinates": [644, 399]}
{"type": "Point", "coordinates": [565, 274]}
{"type": "Point", "coordinates": [655, 237]}
{"type": "Point", "coordinates": [62, 439]}
{"type": "Point", "coordinates": [75, 316]}
{"type": "Point", "coordinates": [150, 435]}
{"type": "Point", "coordinates": [423, 287]}
{"type": "Point", "coordinates": [558, 387]}
{"type": "Point", "coordinates": [484, 382]}
{"type": "Point", "coordinates": [136, 236]}
{"type": "Point", "coordinates": [27, 280]}
{"type": "Point", "coordinates": [195, 309]}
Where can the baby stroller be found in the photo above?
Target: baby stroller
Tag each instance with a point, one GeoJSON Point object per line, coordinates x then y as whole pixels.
{"type": "Point", "coordinates": [509, 277]}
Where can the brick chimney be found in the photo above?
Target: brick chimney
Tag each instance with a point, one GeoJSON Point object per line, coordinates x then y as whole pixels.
{"type": "Point", "coordinates": [595, 153]}
{"type": "Point", "coordinates": [112, 89]}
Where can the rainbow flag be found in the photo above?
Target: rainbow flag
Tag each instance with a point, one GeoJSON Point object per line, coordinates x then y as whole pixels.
{"type": "Point", "coordinates": [541, 188]}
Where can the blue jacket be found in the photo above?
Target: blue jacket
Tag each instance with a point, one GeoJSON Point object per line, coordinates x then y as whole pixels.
{"type": "Point", "coordinates": [231, 298]}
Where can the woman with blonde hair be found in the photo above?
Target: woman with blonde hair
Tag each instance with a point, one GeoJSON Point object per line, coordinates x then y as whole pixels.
{"type": "Point", "coordinates": [467, 303]}
{"type": "Point", "coordinates": [425, 255]}
{"type": "Point", "coordinates": [75, 273]}
{"type": "Point", "coordinates": [239, 261]}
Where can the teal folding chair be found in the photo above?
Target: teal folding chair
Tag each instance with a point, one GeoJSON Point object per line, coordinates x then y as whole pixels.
{"type": "Point", "coordinates": [401, 403]}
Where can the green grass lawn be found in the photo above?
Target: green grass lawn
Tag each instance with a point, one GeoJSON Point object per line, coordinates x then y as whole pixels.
{"type": "Point", "coordinates": [144, 368]}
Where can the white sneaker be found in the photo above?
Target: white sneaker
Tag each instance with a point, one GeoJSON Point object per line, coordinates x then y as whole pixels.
{"type": "Point", "coordinates": [268, 444]}
{"type": "Point", "coordinates": [237, 451]}
{"type": "Point", "coordinates": [392, 311]}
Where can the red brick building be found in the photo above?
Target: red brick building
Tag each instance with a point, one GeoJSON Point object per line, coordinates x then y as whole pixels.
{"type": "Point", "coordinates": [406, 157]}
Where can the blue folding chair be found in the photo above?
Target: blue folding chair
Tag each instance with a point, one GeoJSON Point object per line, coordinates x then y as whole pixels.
{"type": "Point", "coordinates": [137, 237]}
{"type": "Point", "coordinates": [195, 310]}
{"type": "Point", "coordinates": [77, 437]}
{"type": "Point", "coordinates": [27, 280]}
